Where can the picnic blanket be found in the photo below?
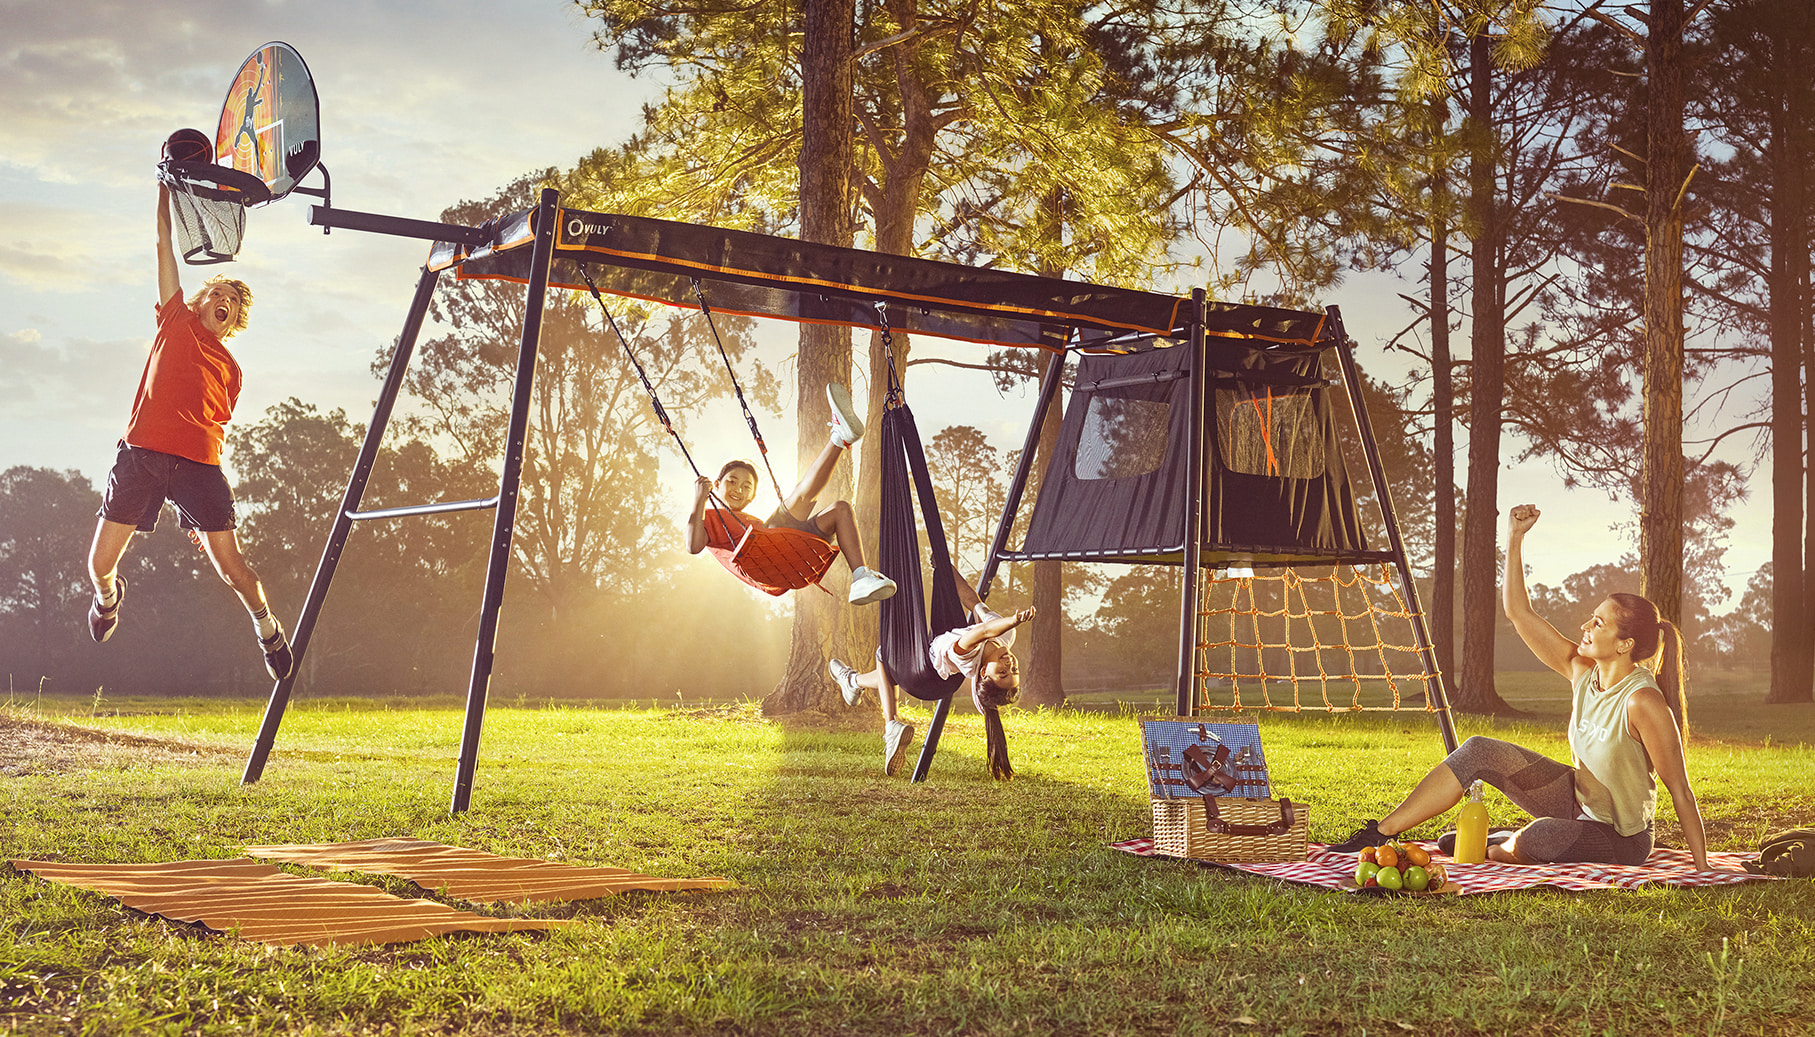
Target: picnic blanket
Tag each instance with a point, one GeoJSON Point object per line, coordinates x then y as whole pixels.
{"type": "Point", "coordinates": [269, 905]}
{"type": "Point", "coordinates": [474, 875]}
{"type": "Point", "coordinates": [1337, 871]}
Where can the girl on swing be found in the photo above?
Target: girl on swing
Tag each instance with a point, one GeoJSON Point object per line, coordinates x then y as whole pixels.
{"type": "Point", "coordinates": [979, 651]}
{"type": "Point", "coordinates": [736, 487]}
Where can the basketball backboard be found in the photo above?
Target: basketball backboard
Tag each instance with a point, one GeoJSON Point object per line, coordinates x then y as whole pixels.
{"type": "Point", "coordinates": [270, 126]}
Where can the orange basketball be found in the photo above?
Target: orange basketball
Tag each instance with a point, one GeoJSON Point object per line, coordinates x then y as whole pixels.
{"type": "Point", "coordinates": [189, 145]}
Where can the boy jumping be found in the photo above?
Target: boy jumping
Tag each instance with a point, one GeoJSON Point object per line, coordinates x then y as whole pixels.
{"type": "Point", "coordinates": [736, 486]}
{"type": "Point", "coordinates": [172, 449]}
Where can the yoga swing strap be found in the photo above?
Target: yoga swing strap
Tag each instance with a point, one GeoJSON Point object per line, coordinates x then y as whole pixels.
{"type": "Point", "coordinates": [905, 631]}
{"type": "Point", "coordinates": [772, 560]}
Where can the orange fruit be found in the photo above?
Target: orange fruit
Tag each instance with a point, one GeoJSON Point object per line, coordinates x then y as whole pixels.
{"type": "Point", "coordinates": [1386, 856]}
{"type": "Point", "coordinates": [1367, 854]}
{"type": "Point", "coordinates": [1417, 855]}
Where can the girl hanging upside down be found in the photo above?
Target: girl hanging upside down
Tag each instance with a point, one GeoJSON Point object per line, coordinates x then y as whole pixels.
{"type": "Point", "coordinates": [736, 486]}
{"type": "Point", "coordinates": [979, 651]}
{"type": "Point", "coordinates": [1626, 729]}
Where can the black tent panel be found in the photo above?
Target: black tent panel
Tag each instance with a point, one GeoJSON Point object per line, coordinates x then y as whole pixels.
{"type": "Point", "coordinates": [1276, 490]}
{"type": "Point", "coordinates": [764, 276]}
{"type": "Point", "coordinates": [1115, 486]}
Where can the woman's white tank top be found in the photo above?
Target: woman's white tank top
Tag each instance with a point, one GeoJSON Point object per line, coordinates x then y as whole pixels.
{"type": "Point", "coordinates": [1614, 783]}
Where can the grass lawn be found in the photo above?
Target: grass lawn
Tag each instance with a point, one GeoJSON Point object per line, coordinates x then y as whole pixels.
{"type": "Point", "coordinates": [865, 905]}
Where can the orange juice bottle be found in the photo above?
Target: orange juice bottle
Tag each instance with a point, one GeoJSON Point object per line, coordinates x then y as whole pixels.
{"type": "Point", "coordinates": [1471, 828]}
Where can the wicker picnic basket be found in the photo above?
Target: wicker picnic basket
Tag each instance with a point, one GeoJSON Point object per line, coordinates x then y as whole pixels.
{"type": "Point", "coordinates": [1231, 828]}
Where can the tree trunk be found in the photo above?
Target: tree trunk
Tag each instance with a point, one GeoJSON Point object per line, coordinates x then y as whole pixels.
{"type": "Point", "coordinates": [1790, 602]}
{"type": "Point", "coordinates": [1661, 458]}
{"type": "Point", "coordinates": [1476, 692]}
{"type": "Point", "coordinates": [821, 622]}
{"type": "Point", "coordinates": [1443, 407]}
{"type": "Point", "coordinates": [895, 203]}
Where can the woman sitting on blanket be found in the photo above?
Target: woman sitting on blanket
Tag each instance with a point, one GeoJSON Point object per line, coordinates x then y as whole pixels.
{"type": "Point", "coordinates": [1626, 729]}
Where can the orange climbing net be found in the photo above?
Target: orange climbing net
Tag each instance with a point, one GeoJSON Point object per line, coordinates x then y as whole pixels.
{"type": "Point", "coordinates": [1295, 640]}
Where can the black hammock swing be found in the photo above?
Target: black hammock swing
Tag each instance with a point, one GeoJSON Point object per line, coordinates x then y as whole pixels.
{"type": "Point", "coordinates": [905, 629]}
{"type": "Point", "coordinates": [773, 560]}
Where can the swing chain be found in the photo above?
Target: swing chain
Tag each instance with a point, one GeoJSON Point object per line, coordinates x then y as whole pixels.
{"type": "Point", "coordinates": [893, 398]}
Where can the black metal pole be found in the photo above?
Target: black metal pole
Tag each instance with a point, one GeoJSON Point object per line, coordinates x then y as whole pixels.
{"type": "Point", "coordinates": [1049, 390]}
{"type": "Point", "coordinates": [343, 525]}
{"type": "Point", "coordinates": [504, 522]}
{"type": "Point", "coordinates": [1194, 515]}
{"type": "Point", "coordinates": [1351, 378]}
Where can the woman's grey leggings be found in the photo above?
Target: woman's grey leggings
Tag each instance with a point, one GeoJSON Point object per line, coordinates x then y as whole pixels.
{"type": "Point", "coordinates": [1546, 790]}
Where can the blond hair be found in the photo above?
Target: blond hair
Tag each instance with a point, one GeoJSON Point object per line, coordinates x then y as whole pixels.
{"type": "Point", "coordinates": [240, 288]}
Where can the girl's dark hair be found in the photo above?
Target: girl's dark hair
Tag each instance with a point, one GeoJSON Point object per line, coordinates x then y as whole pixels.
{"type": "Point", "coordinates": [1658, 645]}
{"type": "Point", "coordinates": [995, 745]}
{"type": "Point", "coordinates": [989, 699]}
{"type": "Point", "coordinates": [739, 463]}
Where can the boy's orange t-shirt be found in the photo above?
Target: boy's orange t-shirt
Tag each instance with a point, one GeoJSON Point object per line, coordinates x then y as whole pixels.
{"type": "Point", "coordinates": [187, 393]}
{"type": "Point", "coordinates": [725, 533]}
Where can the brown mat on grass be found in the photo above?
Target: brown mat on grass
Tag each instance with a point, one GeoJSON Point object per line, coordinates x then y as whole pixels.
{"type": "Point", "coordinates": [474, 875]}
{"type": "Point", "coordinates": [269, 905]}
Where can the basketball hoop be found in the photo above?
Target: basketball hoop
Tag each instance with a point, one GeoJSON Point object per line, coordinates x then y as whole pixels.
{"type": "Point", "coordinates": [210, 202]}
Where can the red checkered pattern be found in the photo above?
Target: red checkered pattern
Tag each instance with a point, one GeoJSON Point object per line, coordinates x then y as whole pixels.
{"type": "Point", "coordinates": [1337, 871]}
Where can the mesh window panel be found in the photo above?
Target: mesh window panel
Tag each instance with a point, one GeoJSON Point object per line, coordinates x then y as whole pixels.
{"type": "Point", "coordinates": [208, 230]}
{"type": "Point", "coordinates": [1270, 433]}
{"type": "Point", "coordinates": [1122, 438]}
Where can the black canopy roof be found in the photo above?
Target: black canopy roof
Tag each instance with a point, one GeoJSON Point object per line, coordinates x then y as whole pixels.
{"type": "Point", "coordinates": [762, 275]}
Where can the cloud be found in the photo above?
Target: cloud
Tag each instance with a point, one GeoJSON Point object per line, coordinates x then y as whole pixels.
{"type": "Point", "coordinates": [58, 248]}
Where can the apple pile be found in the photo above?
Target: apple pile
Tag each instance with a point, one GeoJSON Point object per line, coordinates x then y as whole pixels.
{"type": "Point", "coordinates": [1405, 866]}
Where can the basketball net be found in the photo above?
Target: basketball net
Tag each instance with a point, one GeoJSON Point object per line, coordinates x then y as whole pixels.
{"type": "Point", "coordinates": [209, 229]}
{"type": "Point", "coordinates": [1335, 640]}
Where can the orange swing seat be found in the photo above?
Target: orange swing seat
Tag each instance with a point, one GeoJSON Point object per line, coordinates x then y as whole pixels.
{"type": "Point", "coordinates": [776, 561]}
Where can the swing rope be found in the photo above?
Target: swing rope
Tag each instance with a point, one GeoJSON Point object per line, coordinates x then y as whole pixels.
{"type": "Point", "coordinates": [655, 401]}
{"type": "Point", "coordinates": [779, 560]}
{"type": "Point", "coordinates": [749, 415]}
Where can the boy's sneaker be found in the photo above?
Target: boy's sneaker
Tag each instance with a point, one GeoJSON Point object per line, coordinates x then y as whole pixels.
{"type": "Point", "coordinates": [103, 618]}
{"type": "Point", "coordinates": [895, 742]}
{"type": "Point", "coordinates": [847, 681]}
{"type": "Point", "coordinates": [1368, 835]}
{"type": "Point", "coordinates": [278, 659]}
{"type": "Point", "coordinates": [871, 587]}
{"type": "Point", "coordinates": [847, 427]}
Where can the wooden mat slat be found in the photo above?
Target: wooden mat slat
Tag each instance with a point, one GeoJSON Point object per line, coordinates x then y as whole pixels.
{"type": "Point", "coordinates": [474, 875]}
{"type": "Point", "coordinates": [268, 905]}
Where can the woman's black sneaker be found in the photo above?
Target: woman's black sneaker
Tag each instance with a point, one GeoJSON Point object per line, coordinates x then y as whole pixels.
{"type": "Point", "coordinates": [1367, 835]}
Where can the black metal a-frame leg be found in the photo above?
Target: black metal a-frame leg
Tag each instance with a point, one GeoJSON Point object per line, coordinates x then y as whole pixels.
{"type": "Point", "coordinates": [343, 527]}
{"type": "Point", "coordinates": [505, 502]}
{"type": "Point", "coordinates": [506, 516]}
{"type": "Point", "coordinates": [1351, 377]}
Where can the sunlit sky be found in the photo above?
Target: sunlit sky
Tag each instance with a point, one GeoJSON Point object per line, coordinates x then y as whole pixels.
{"type": "Point", "coordinates": [422, 104]}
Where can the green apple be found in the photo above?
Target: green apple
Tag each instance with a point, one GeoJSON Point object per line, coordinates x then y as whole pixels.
{"type": "Point", "coordinates": [1365, 871]}
{"type": "Point", "coordinates": [1417, 879]}
{"type": "Point", "coordinates": [1389, 878]}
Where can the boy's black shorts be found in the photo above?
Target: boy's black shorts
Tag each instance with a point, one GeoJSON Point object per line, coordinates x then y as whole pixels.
{"type": "Point", "coordinates": [142, 480]}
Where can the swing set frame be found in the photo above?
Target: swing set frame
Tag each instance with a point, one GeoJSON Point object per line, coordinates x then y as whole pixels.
{"type": "Point", "coordinates": [766, 276]}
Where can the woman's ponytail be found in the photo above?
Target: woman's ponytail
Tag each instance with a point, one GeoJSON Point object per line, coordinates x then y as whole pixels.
{"type": "Point", "coordinates": [1658, 646]}
{"type": "Point", "coordinates": [1672, 678]}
